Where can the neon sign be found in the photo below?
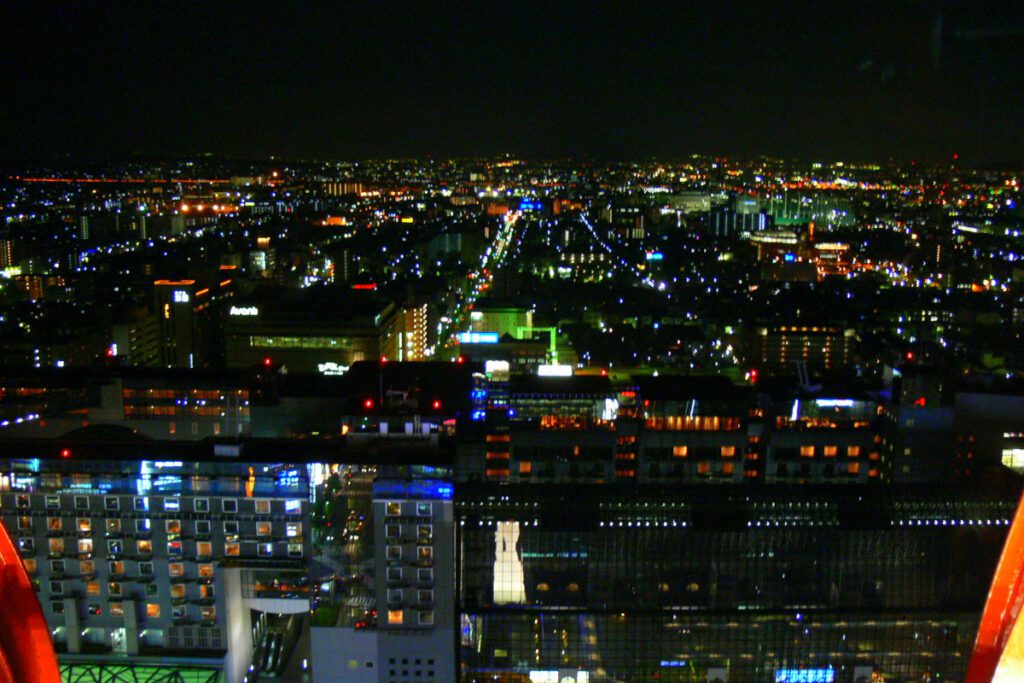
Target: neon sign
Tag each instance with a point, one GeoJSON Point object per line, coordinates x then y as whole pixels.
{"type": "Point", "coordinates": [478, 338]}
{"type": "Point", "coordinates": [805, 675]}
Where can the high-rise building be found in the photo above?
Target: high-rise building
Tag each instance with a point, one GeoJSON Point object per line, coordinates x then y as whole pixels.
{"type": "Point", "coordinates": [699, 583]}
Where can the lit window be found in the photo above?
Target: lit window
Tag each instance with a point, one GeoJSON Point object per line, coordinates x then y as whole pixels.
{"type": "Point", "coordinates": [1013, 457]}
{"type": "Point", "coordinates": [263, 528]}
{"type": "Point", "coordinates": [144, 547]}
{"type": "Point", "coordinates": [807, 451]}
{"type": "Point", "coordinates": [176, 569]}
{"type": "Point", "coordinates": [395, 616]}
{"type": "Point", "coordinates": [116, 609]}
{"type": "Point", "coordinates": [84, 525]}
{"type": "Point", "coordinates": [262, 507]}
{"type": "Point", "coordinates": [204, 549]}
{"type": "Point", "coordinates": [831, 451]}
{"type": "Point", "coordinates": [54, 523]}
{"type": "Point", "coordinates": [393, 509]}
{"type": "Point", "coordinates": [92, 588]}
{"type": "Point", "coordinates": [152, 610]}
{"type": "Point", "coordinates": [232, 549]}
{"type": "Point", "coordinates": [56, 545]}
{"type": "Point", "coordinates": [294, 550]}
{"type": "Point", "coordinates": [728, 451]}
{"type": "Point", "coordinates": [86, 567]}
{"type": "Point", "coordinates": [423, 509]}
{"type": "Point", "coordinates": [178, 591]}
{"type": "Point", "coordinates": [114, 588]}
{"type": "Point", "coordinates": [853, 451]}
{"type": "Point", "coordinates": [172, 504]}
{"type": "Point", "coordinates": [113, 526]}
{"type": "Point", "coordinates": [85, 546]}
{"type": "Point", "coordinates": [293, 529]}
{"type": "Point", "coordinates": [206, 571]}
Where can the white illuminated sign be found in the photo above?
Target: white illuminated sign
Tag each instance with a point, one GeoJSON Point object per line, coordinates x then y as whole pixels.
{"type": "Point", "coordinates": [478, 338]}
{"type": "Point", "coordinates": [805, 675]}
{"type": "Point", "coordinates": [180, 296]}
{"type": "Point", "coordinates": [496, 366]}
{"type": "Point", "coordinates": [834, 402]}
{"type": "Point", "coordinates": [245, 311]}
{"type": "Point", "coordinates": [554, 370]}
{"type": "Point", "coordinates": [331, 369]}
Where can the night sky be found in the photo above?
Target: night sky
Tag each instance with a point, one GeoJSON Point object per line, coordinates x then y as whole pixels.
{"type": "Point", "coordinates": [821, 81]}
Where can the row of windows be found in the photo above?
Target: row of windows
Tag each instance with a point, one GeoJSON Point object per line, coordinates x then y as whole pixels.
{"type": "Point", "coordinates": [424, 532]}
{"type": "Point", "coordinates": [173, 527]}
{"type": "Point", "coordinates": [153, 610]}
{"type": "Point", "coordinates": [423, 574]}
{"type": "Point", "coordinates": [169, 504]}
{"type": "Point", "coordinates": [120, 568]}
{"type": "Point", "coordinates": [396, 617]}
{"type": "Point", "coordinates": [424, 596]}
{"type": "Point", "coordinates": [424, 554]}
{"type": "Point", "coordinates": [203, 549]}
{"type": "Point", "coordinates": [198, 394]}
{"type": "Point", "coordinates": [394, 508]}
{"type": "Point", "coordinates": [116, 589]}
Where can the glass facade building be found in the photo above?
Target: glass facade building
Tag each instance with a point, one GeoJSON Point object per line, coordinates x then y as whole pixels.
{"type": "Point", "coordinates": [692, 583]}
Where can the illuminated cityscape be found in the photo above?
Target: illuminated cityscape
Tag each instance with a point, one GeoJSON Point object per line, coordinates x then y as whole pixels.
{"type": "Point", "coordinates": [332, 353]}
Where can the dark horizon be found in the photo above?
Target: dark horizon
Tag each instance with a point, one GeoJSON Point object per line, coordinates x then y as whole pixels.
{"type": "Point", "coordinates": [863, 83]}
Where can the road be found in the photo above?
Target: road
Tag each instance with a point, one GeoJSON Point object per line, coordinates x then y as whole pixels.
{"type": "Point", "coordinates": [481, 277]}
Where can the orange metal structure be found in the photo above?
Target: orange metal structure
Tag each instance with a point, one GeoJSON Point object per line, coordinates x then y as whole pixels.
{"type": "Point", "coordinates": [26, 651]}
{"type": "Point", "coordinates": [999, 649]}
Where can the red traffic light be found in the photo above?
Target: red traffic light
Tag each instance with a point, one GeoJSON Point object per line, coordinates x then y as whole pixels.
{"type": "Point", "coordinates": [368, 403]}
{"type": "Point", "coordinates": [267, 362]}
{"type": "Point", "coordinates": [460, 360]}
{"type": "Point", "coordinates": [65, 452]}
{"type": "Point", "coordinates": [437, 405]}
